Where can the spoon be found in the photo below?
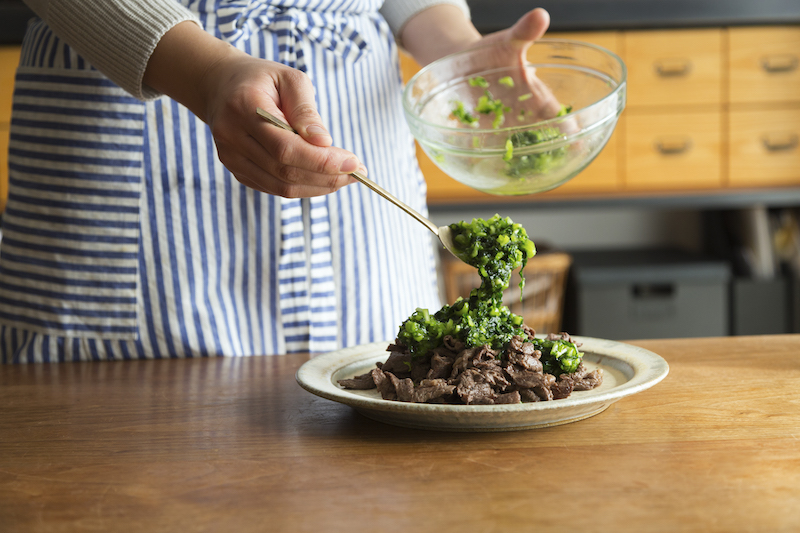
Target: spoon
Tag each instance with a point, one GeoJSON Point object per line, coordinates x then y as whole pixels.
{"type": "Point", "coordinates": [444, 233]}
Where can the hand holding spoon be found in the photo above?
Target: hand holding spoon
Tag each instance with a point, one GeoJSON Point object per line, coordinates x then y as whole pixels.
{"type": "Point", "coordinates": [444, 233]}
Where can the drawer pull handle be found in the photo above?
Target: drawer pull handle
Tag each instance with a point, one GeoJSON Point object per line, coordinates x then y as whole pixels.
{"type": "Point", "coordinates": [672, 68]}
{"type": "Point", "coordinates": [781, 63]}
{"type": "Point", "coordinates": [673, 146]}
{"type": "Point", "coordinates": [783, 143]}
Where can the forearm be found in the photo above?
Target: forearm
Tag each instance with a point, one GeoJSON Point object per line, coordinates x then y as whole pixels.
{"type": "Point", "coordinates": [182, 61]}
{"type": "Point", "coordinates": [438, 31]}
{"type": "Point", "coordinates": [115, 36]}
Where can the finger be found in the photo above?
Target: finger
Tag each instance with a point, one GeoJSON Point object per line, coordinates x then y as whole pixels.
{"type": "Point", "coordinates": [267, 144]}
{"type": "Point", "coordinates": [285, 181]}
{"type": "Point", "coordinates": [530, 26]}
{"type": "Point", "coordinates": [298, 105]}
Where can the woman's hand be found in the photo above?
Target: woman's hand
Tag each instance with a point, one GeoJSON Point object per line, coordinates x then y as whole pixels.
{"type": "Point", "coordinates": [514, 43]}
{"type": "Point", "coordinates": [223, 86]}
{"type": "Point", "coordinates": [442, 30]}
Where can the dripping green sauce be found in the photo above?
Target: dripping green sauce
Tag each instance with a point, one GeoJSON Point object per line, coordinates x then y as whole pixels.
{"type": "Point", "coordinates": [496, 247]}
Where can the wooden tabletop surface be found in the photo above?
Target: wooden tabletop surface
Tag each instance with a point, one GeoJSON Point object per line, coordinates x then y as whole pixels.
{"type": "Point", "coordinates": [235, 445]}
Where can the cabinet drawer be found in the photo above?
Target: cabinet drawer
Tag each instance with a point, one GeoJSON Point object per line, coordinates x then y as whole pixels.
{"type": "Point", "coordinates": [764, 64]}
{"type": "Point", "coordinates": [764, 148]}
{"type": "Point", "coordinates": [674, 67]}
{"type": "Point", "coordinates": [673, 151]}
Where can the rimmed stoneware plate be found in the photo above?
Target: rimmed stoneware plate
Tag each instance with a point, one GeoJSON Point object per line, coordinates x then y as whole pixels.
{"type": "Point", "coordinates": [627, 370]}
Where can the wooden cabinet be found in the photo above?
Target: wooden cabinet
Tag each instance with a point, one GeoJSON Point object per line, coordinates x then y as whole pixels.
{"type": "Point", "coordinates": [764, 94]}
{"type": "Point", "coordinates": [9, 59]}
{"type": "Point", "coordinates": [673, 134]}
{"type": "Point", "coordinates": [673, 151]}
{"type": "Point", "coordinates": [764, 147]}
{"type": "Point", "coordinates": [764, 65]}
{"type": "Point", "coordinates": [674, 67]}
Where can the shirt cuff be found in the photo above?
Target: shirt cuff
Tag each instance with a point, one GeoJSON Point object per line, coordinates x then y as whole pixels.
{"type": "Point", "coordinates": [398, 12]}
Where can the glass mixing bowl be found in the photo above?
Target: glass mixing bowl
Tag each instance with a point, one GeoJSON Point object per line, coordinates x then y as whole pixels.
{"type": "Point", "coordinates": [495, 121]}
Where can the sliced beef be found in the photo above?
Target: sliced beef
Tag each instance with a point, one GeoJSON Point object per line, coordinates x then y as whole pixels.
{"type": "Point", "coordinates": [432, 389]}
{"type": "Point", "coordinates": [561, 389]}
{"type": "Point", "coordinates": [473, 389]}
{"type": "Point", "coordinates": [362, 382]}
{"type": "Point", "coordinates": [508, 397]}
{"type": "Point", "coordinates": [469, 356]}
{"type": "Point", "coordinates": [384, 385]}
{"type": "Point", "coordinates": [403, 388]}
{"type": "Point", "coordinates": [529, 331]}
{"type": "Point", "coordinates": [492, 373]}
{"type": "Point", "coordinates": [528, 395]}
{"type": "Point", "coordinates": [398, 363]}
{"type": "Point", "coordinates": [582, 379]}
{"type": "Point", "coordinates": [420, 368]}
{"type": "Point", "coordinates": [538, 382]}
{"type": "Point", "coordinates": [441, 366]}
{"type": "Point", "coordinates": [473, 376]}
{"type": "Point", "coordinates": [563, 336]}
{"type": "Point", "coordinates": [452, 344]}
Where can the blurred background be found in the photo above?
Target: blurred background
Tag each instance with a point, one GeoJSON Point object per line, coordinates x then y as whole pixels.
{"type": "Point", "coordinates": [687, 223]}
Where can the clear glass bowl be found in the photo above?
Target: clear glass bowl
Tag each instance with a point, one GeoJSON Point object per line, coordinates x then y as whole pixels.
{"type": "Point", "coordinates": [530, 149]}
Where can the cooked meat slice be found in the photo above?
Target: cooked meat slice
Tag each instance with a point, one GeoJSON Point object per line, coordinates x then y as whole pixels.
{"type": "Point", "coordinates": [420, 368]}
{"type": "Point", "coordinates": [588, 381]}
{"type": "Point", "coordinates": [528, 395]}
{"type": "Point", "coordinates": [492, 373]}
{"type": "Point", "coordinates": [529, 331]}
{"type": "Point", "coordinates": [384, 385]}
{"type": "Point", "coordinates": [361, 382]}
{"type": "Point", "coordinates": [563, 336]}
{"type": "Point", "coordinates": [509, 397]}
{"type": "Point", "coordinates": [441, 366]}
{"type": "Point", "coordinates": [527, 378]}
{"type": "Point", "coordinates": [404, 388]}
{"type": "Point", "coordinates": [398, 363]}
{"type": "Point", "coordinates": [432, 389]}
{"type": "Point", "coordinates": [561, 389]}
{"type": "Point", "coordinates": [474, 391]}
{"type": "Point", "coordinates": [520, 345]}
{"type": "Point", "coordinates": [527, 361]}
{"type": "Point", "coordinates": [453, 344]}
{"type": "Point", "coordinates": [468, 357]}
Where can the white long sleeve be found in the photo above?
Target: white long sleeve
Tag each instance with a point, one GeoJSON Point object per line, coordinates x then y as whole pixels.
{"type": "Point", "coordinates": [398, 12]}
{"type": "Point", "coordinates": [116, 36]}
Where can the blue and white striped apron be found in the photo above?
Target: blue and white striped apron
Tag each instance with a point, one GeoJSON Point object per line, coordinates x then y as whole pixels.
{"type": "Point", "coordinates": [125, 238]}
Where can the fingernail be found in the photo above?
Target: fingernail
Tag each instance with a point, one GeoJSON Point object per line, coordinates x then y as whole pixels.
{"type": "Point", "coordinates": [316, 129]}
{"type": "Point", "coordinates": [349, 165]}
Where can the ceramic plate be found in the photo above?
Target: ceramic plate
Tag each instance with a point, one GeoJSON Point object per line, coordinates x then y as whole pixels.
{"type": "Point", "coordinates": [627, 370]}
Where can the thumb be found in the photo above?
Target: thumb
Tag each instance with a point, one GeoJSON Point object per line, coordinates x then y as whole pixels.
{"type": "Point", "coordinates": [530, 26]}
{"type": "Point", "coordinates": [298, 106]}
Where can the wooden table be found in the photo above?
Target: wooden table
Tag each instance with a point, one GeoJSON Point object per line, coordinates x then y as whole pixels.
{"type": "Point", "coordinates": [235, 445]}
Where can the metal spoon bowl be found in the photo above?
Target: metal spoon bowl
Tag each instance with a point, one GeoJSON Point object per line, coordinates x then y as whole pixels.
{"type": "Point", "coordinates": [444, 233]}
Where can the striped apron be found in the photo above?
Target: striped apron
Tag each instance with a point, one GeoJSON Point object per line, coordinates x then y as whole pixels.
{"type": "Point", "coordinates": [124, 236]}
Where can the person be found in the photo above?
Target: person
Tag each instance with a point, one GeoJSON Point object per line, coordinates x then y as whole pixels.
{"type": "Point", "coordinates": [153, 214]}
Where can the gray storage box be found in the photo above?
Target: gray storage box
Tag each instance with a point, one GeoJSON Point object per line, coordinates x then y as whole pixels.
{"type": "Point", "coordinates": [645, 294]}
{"type": "Point", "coordinates": [760, 306]}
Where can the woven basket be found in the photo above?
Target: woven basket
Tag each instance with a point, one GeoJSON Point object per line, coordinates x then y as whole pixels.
{"type": "Point", "coordinates": [542, 304]}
